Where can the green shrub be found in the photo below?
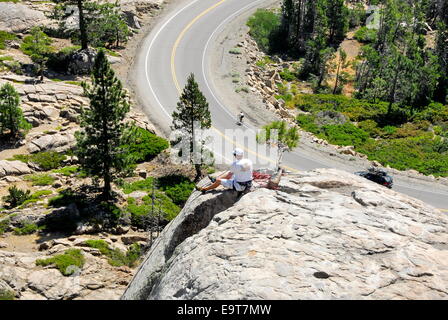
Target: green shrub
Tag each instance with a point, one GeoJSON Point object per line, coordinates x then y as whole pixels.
{"type": "Point", "coordinates": [6, 295]}
{"type": "Point", "coordinates": [41, 193]}
{"type": "Point", "coordinates": [67, 171]}
{"type": "Point", "coordinates": [307, 123]}
{"type": "Point", "coordinates": [46, 160]}
{"type": "Point", "coordinates": [366, 35]}
{"type": "Point", "coordinates": [262, 63]}
{"type": "Point", "coordinates": [388, 131]}
{"type": "Point", "coordinates": [345, 135]}
{"type": "Point", "coordinates": [435, 113]}
{"type": "Point", "coordinates": [70, 258]}
{"type": "Point", "coordinates": [107, 29]}
{"type": "Point", "coordinates": [177, 187]}
{"type": "Point", "coordinates": [263, 25]}
{"type": "Point", "coordinates": [16, 196]}
{"type": "Point", "coordinates": [27, 228]}
{"type": "Point", "coordinates": [116, 257]}
{"type": "Point", "coordinates": [354, 109]}
{"type": "Point", "coordinates": [140, 185]}
{"type": "Point", "coordinates": [59, 61]}
{"type": "Point", "coordinates": [5, 36]}
{"type": "Point", "coordinates": [64, 198]}
{"type": "Point", "coordinates": [235, 51]}
{"type": "Point", "coordinates": [145, 145]}
{"type": "Point", "coordinates": [111, 210]}
{"type": "Point", "coordinates": [140, 214]}
{"type": "Point", "coordinates": [243, 89]}
{"type": "Point", "coordinates": [411, 130]}
{"type": "Point", "coordinates": [75, 83]}
{"type": "Point", "coordinates": [40, 179]}
{"type": "Point", "coordinates": [285, 97]}
{"type": "Point", "coordinates": [356, 15]}
{"type": "Point", "coordinates": [370, 127]}
{"type": "Point", "coordinates": [27, 202]}
{"type": "Point", "coordinates": [38, 46]}
{"type": "Point", "coordinates": [287, 75]}
{"type": "Point", "coordinates": [418, 153]}
{"type": "Point", "coordinates": [4, 226]}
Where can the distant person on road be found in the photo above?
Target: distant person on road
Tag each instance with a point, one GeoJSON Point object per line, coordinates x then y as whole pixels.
{"type": "Point", "coordinates": [239, 176]}
{"type": "Point", "coordinates": [240, 118]}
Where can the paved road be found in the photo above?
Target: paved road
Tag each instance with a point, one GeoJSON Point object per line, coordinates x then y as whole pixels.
{"type": "Point", "coordinates": [180, 44]}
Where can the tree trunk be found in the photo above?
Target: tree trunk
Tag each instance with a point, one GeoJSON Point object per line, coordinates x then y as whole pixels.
{"type": "Point", "coordinates": [337, 78]}
{"type": "Point", "coordinates": [41, 73]}
{"type": "Point", "coordinates": [198, 172]}
{"type": "Point", "coordinates": [281, 152]}
{"type": "Point", "coordinates": [107, 187]}
{"type": "Point", "coordinates": [82, 26]}
{"type": "Point", "coordinates": [392, 93]}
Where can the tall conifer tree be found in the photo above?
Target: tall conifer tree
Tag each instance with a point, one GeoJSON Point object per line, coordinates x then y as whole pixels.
{"type": "Point", "coordinates": [100, 143]}
{"type": "Point", "coordinates": [192, 110]}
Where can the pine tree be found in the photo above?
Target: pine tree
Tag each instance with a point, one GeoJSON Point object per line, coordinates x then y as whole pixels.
{"type": "Point", "coordinates": [105, 25]}
{"type": "Point", "coordinates": [100, 143]}
{"type": "Point", "coordinates": [340, 76]}
{"type": "Point", "coordinates": [399, 68]}
{"type": "Point", "coordinates": [82, 25]}
{"type": "Point", "coordinates": [192, 110]}
{"type": "Point", "coordinates": [38, 47]}
{"type": "Point", "coordinates": [278, 134]}
{"type": "Point", "coordinates": [337, 14]}
{"type": "Point", "coordinates": [11, 116]}
{"type": "Point", "coordinates": [441, 93]}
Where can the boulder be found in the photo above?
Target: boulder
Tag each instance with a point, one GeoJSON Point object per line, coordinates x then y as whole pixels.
{"type": "Point", "coordinates": [324, 234]}
{"type": "Point", "coordinates": [9, 168]}
{"type": "Point", "coordinates": [348, 150]}
{"type": "Point", "coordinates": [96, 280]}
{"type": "Point", "coordinates": [59, 142]}
{"type": "Point", "coordinates": [130, 239]}
{"type": "Point", "coordinates": [81, 62]}
{"type": "Point", "coordinates": [20, 18]}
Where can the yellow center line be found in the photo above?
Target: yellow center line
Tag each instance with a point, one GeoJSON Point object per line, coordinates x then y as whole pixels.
{"type": "Point", "coordinates": [176, 82]}
{"type": "Point", "coordinates": [181, 35]}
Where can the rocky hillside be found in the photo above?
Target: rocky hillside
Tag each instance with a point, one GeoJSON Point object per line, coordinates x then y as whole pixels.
{"type": "Point", "coordinates": [324, 234]}
{"type": "Point", "coordinates": [97, 280]}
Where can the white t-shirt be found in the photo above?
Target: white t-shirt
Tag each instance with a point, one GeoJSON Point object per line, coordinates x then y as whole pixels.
{"type": "Point", "coordinates": [242, 170]}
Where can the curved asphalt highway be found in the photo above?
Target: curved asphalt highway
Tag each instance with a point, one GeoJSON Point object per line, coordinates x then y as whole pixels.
{"type": "Point", "coordinates": [179, 45]}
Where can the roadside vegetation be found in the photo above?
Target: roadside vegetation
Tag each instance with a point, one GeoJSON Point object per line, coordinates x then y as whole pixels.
{"type": "Point", "coordinates": [396, 111]}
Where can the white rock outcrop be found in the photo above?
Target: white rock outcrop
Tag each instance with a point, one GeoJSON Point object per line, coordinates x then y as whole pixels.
{"type": "Point", "coordinates": [96, 281]}
{"type": "Point", "coordinates": [20, 18]}
{"type": "Point", "coordinates": [325, 234]}
{"type": "Point", "coordinates": [13, 168]}
{"type": "Point", "coordinates": [59, 142]}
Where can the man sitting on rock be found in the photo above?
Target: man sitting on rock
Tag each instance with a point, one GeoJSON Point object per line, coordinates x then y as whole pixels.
{"type": "Point", "coordinates": [238, 178]}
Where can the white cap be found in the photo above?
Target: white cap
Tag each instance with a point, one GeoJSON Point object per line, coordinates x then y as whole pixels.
{"type": "Point", "coordinates": [238, 152]}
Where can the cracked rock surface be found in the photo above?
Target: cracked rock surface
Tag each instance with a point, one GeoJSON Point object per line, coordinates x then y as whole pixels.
{"type": "Point", "coordinates": [325, 234]}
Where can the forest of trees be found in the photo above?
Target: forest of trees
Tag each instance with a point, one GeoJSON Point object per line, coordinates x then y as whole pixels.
{"type": "Point", "coordinates": [391, 88]}
{"type": "Point", "coordinates": [404, 61]}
